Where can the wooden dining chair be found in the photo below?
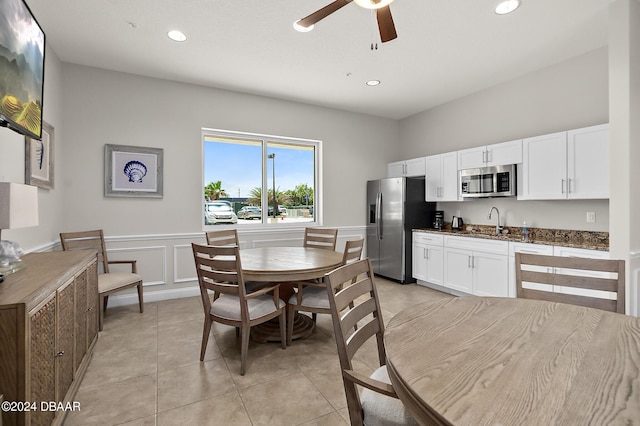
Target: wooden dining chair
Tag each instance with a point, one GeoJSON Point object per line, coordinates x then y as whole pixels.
{"type": "Point", "coordinates": [321, 238]}
{"type": "Point", "coordinates": [224, 237]}
{"type": "Point", "coordinates": [219, 270]}
{"type": "Point", "coordinates": [592, 279]}
{"type": "Point", "coordinates": [378, 404]}
{"type": "Point", "coordinates": [108, 282]}
{"type": "Point", "coordinates": [312, 296]}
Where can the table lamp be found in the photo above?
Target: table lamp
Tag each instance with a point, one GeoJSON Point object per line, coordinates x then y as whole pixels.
{"type": "Point", "coordinates": [18, 209]}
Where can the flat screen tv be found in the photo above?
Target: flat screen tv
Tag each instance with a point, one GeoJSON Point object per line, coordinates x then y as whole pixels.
{"type": "Point", "coordinates": [22, 44]}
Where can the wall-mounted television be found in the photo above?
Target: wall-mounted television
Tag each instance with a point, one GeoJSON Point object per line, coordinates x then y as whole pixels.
{"type": "Point", "coordinates": [22, 43]}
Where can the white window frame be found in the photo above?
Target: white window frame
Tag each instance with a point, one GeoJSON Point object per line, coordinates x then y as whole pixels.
{"type": "Point", "coordinates": [265, 138]}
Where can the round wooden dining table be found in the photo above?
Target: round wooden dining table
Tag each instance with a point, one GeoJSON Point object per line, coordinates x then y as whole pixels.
{"type": "Point", "coordinates": [286, 265]}
{"type": "Point", "coordinates": [499, 361]}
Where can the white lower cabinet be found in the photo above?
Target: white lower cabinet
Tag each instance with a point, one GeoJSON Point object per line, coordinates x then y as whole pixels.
{"type": "Point", "coordinates": [555, 251]}
{"type": "Point", "coordinates": [515, 247]}
{"type": "Point", "coordinates": [458, 272]}
{"type": "Point", "coordinates": [482, 267]}
{"type": "Point", "coordinates": [427, 257]}
{"type": "Point", "coordinates": [476, 266]}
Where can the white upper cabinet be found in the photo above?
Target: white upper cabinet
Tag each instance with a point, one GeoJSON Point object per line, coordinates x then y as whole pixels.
{"type": "Point", "coordinates": [413, 167]}
{"type": "Point", "coordinates": [544, 167]}
{"type": "Point", "coordinates": [442, 177]}
{"type": "Point", "coordinates": [588, 162]}
{"type": "Point", "coordinates": [566, 165]}
{"type": "Point", "coordinates": [499, 154]}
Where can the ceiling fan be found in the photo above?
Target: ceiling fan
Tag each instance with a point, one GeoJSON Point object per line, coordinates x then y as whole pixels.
{"type": "Point", "coordinates": [383, 14]}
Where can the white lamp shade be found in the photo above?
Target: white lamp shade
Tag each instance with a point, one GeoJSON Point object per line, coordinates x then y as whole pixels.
{"type": "Point", "coordinates": [18, 205]}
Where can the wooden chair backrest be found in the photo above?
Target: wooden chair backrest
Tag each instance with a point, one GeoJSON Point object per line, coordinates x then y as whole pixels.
{"type": "Point", "coordinates": [572, 272]}
{"type": "Point", "coordinates": [321, 238]}
{"type": "Point", "coordinates": [225, 237]}
{"type": "Point", "coordinates": [87, 240]}
{"type": "Point", "coordinates": [346, 314]}
{"type": "Point", "coordinates": [352, 251]}
{"type": "Point", "coordinates": [354, 324]}
{"type": "Point", "coordinates": [219, 270]}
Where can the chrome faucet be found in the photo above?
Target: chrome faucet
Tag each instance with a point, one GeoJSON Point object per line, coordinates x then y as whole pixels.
{"type": "Point", "coordinates": [498, 227]}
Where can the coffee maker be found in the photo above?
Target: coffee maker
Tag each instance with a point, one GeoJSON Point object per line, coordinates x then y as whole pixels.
{"type": "Point", "coordinates": [438, 220]}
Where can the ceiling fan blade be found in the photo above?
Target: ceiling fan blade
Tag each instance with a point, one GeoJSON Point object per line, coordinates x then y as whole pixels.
{"type": "Point", "coordinates": [385, 24]}
{"type": "Point", "coordinates": [323, 13]}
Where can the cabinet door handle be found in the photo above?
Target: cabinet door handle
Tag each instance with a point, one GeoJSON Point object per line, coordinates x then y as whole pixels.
{"type": "Point", "coordinates": [469, 262]}
{"type": "Point", "coordinates": [426, 251]}
{"type": "Point", "coordinates": [562, 186]}
{"type": "Point", "coordinates": [569, 185]}
{"type": "Point", "coordinates": [60, 353]}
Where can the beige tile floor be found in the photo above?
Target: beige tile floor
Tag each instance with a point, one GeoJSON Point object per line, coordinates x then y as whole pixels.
{"type": "Point", "coordinates": [146, 370]}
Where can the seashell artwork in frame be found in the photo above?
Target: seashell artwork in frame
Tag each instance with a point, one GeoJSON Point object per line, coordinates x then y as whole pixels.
{"type": "Point", "coordinates": [39, 155]}
{"type": "Point", "coordinates": [133, 171]}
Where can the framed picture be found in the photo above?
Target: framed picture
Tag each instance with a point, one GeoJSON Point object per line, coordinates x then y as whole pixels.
{"type": "Point", "coordinates": [38, 158]}
{"type": "Point", "coordinates": [132, 171]}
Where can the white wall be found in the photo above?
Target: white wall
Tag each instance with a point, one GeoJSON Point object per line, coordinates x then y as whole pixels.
{"type": "Point", "coordinates": [103, 107]}
{"type": "Point", "coordinates": [12, 164]}
{"type": "Point", "coordinates": [568, 95]}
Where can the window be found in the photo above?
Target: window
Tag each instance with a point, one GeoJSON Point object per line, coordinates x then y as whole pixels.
{"type": "Point", "coordinates": [263, 179]}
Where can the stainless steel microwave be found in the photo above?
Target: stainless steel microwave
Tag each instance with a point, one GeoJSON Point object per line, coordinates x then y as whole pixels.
{"type": "Point", "coordinates": [495, 181]}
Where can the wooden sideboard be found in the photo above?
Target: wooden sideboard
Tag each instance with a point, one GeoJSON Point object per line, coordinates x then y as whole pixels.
{"type": "Point", "coordinates": [48, 329]}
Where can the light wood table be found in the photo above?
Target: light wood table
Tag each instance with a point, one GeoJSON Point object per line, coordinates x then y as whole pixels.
{"type": "Point", "coordinates": [495, 361]}
{"type": "Point", "coordinates": [286, 265]}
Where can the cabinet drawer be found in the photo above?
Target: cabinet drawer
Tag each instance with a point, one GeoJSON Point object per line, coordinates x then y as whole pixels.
{"type": "Point", "coordinates": [427, 238]}
{"type": "Point", "coordinates": [477, 244]}
{"type": "Point", "coordinates": [530, 248]}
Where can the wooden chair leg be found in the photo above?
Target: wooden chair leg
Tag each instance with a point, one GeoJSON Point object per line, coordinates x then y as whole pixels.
{"type": "Point", "coordinates": [314, 317]}
{"type": "Point", "coordinates": [244, 349]}
{"type": "Point", "coordinates": [206, 331]}
{"type": "Point", "coordinates": [290, 319]}
{"type": "Point", "coordinates": [284, 334]}
{"type": "Point", "coordinates": [140, 300]}
{"type": "Point", "coordinates": [101, 314]}
{"type": "Point", "coordinates": [105, 299]}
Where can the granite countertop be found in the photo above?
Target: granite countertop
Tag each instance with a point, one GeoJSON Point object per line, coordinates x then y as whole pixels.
{"type": "Point", "coordinates": [554, 237]}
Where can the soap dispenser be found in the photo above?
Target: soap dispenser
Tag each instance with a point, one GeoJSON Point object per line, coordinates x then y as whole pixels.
{"type": "Point", "coordinates": [525, 231]}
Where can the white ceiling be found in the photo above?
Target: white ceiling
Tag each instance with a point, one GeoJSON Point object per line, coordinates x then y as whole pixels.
{"type": "Point", "coordinates": [445, 49]}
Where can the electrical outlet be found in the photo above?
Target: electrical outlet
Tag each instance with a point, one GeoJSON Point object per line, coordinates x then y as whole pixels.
{"type": "Point", "coordinates": [591, 217]}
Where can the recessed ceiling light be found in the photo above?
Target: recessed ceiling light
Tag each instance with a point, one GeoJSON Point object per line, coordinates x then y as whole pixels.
{"type": "Point", "coordinates": [176, 35]}
{"type": "Point", "coordinates": [373, 4]}
{"type": "Point", "coordinates": [301, 28]}
{"type": "Point", "coordinates": [507, 6]}
{"type": "Point", "coordinates": [373, 82]}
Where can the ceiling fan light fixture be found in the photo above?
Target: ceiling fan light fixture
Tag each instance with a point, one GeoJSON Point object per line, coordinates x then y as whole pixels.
{"type": "Point", "coordinates": [507, 6]}
{"type": "Point", "coordinates": [176, 35]}
{"type": "Point", "coordinates": [373, 4]}
{"type": "Point", "coordinates": [301, 28]}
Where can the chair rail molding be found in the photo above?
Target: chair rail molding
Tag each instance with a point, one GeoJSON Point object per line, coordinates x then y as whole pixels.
{"type": "Point", "coordinates": [172, 278]}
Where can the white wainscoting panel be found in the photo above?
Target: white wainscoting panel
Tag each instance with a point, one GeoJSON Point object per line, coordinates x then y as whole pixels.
{"type": "Point", "coordinates": [150, 261]}
{"type": "Point", "coordinates": [176, 278]}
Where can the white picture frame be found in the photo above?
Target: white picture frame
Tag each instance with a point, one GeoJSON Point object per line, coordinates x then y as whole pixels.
{"type": "Point", "coordinates": [133, 171]}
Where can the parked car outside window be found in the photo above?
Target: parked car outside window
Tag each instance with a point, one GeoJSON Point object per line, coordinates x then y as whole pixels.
{"type": "Point", "coordinates": [219, 212]}
{"type": "Point", "coordinates": [281, 210]}
{"type": "Point", "coordinates": [250, 212]}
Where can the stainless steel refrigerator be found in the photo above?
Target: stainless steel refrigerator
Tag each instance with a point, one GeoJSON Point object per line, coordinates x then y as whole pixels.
{"type": "Point", "coordinates": [395, 206]}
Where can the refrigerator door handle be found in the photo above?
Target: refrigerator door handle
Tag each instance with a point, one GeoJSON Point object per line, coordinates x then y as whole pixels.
{"type": "Point", "coordinates": [379, 215]}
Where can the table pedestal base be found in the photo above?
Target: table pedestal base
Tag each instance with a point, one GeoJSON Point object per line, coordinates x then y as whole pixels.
{"type": "Point", "coordinates": [270, 331]}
